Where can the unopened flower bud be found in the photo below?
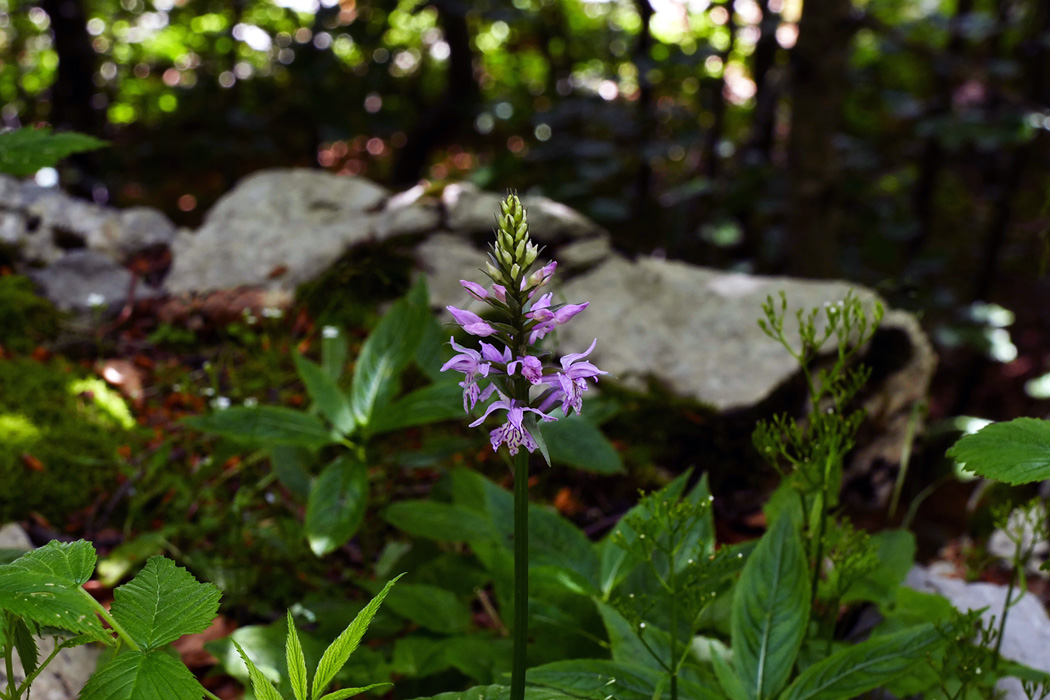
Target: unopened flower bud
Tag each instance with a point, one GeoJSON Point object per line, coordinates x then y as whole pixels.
{"type": "Point", "coordinates": [519, 251]}
{"type": "Point", "coordinates": [515, 270]}
{"type": "Point", "coordinates": [531, 251]}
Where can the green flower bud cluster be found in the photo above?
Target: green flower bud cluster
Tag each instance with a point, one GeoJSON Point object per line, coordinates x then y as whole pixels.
{"type": "Point", "coordinates": [514, 252]}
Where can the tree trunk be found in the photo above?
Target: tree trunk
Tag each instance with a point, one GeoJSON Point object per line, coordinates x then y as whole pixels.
{"type": "Point", "coordinates": [455, 111]}
{"type": "Point", "coordinates": [819, 64]}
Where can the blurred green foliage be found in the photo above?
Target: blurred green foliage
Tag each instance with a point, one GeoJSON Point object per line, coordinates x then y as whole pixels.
{"type": "Point", "coordinates": [625, 110]}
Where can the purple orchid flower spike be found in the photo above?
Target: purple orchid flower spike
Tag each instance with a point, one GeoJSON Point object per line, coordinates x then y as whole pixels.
{"type": "Point", "coordinates": [471, 322]}
{"type": "Point", "coordinates": [548, 320]}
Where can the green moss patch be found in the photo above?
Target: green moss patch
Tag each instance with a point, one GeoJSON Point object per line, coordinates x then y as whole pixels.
{"type": "Point", "coordinates": [59, 433]}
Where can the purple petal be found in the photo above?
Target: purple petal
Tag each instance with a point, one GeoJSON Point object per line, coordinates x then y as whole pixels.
{"type": "Point", "coordinates": [471, 322]}
{"type": "Point", "coordinates": [475, 290]}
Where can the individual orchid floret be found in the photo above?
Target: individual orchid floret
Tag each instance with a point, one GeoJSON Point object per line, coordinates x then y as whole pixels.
{"type": "Point", "coordinates": [570, 382]}
{"type": "Point", "coordinates": [471, 363]}
{"type": "Point", "coordinates": [513, 433]}
{"type": "Point", "coordinates": [531, 368]}
{"type": "Point", "coordinates": [471, 322]}
{"type": "Point", "coordinates": [475, 290]}
{"type": "Point", "coordinates": [547, 319]}
{"type": "Point", "coordinates": [539, 278]}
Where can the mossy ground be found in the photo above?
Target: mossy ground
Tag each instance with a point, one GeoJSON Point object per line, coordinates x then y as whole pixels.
{"type": "Point", "coordinates": [61, 429]}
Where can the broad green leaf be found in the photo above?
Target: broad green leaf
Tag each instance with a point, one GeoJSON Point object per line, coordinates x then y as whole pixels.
{"type": "Point", "coordinates": [24, 151]}
{"type": "Point", "coordinates": [614, 560]}
{"type": "Point", "coordinates": [499, 692]}
{"type": "Point", "coordinates": [472, 490]}
{"type": "Point", "coordinates": [596, 679]}
{"type": "Point", "coordinates": [267, 425]}
{"type": "Point", "coordinates": [553, 540]}
{"type": "Point", "coordinates": [770, 612]}
{"type": "Point", "coordinates": [337, 504]}
{"type": "Point", "coordinates": [267, 646]}
{"type": "Point", "coordinates": [351, 692]}
{"type": "Point", "coordinates": [48, 601]}
{"type": "Point", "coordinates": [1017, 452]}
{"type": "Point", "coordinates": [433, 351]}
{"type": "Point", "coordinates": [430, 607]}
{"type": "Point", "coordinates": [164, 602]}
{"type": "Point", "coordinates": [431, 404]}
{"type": "Point", "coordinates": [296, 662]}
{"type": "Point", "coordinates": [483, 659]}
{"type": "Point", "coordinates": [261, 685]}
{"type": "Point", "coordinates": [577, 442]}
{"type": "Point", "coordinates": [326, 394]}
{"type": "Point", "coordinates": [727, 678]}
{"type": "Point", "coordinates": [291, 465]}
{"type": "Point", "coordinates": [72, 562]}
{"type": "Point", "coordinates": [896, 554]}
{"type": "Point", "coordinates": [25, 643]}
{"type": "Point", "coordinates": [625, 645]}
{"type": "Point", "coordinates": [336, 655]}
{"type": "Point", "coordinates": [443, 522]}
{"type": "Point", "coordinates": [386, 352]}
{"type": "Point", "coordinates": [334, 352]}
{"type": "Point", "coordinates": [857, 669]}
{"type": "Point", "coordinates": [138, 675]}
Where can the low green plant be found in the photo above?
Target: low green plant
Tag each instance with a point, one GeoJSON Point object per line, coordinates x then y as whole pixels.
{"type": "Point", "coordinates": [27, 320]}
{"type": "Point", "coordinates": [42, 593]}
{"type": "Point", "coordinates": [25, 151]}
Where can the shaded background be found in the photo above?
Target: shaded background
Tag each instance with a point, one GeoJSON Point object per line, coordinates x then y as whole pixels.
{"type": "Point", "coordinates": [901, 144]}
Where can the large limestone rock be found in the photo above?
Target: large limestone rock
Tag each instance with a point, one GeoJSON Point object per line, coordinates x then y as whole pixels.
{"type": "Point", "coordinates": [1026, 637]}
{"type": "Point", "coordinates": [278, 229]}
{"type": "Point", "coordinates": [66, 675]}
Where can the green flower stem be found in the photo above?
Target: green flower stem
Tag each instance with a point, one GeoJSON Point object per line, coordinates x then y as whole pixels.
{"type": "Point", "coordinates": [40, 667]}
{"type": "Point", "coordinates": [674, 626]}
{"type": "Point", "coordinates": [521, 573]}
{"type": "Point", "coordinates": [104, 614]}
{"type": "Point", "coordinates": [9, 662]}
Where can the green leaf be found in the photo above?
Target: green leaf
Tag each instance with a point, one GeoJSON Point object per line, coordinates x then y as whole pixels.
{"type": "Point", "coordinates": [499, 692]}
{"type": "Point", "coordinates": [336, 655]}
{"type": "Point", "coordinates": [727, 678]}
{"type": "Point", "coordinates": [596, 679]}
{"type": "Point", "coordinates": [432, 403]}
{"type": "Point", "coordinates": [625, 645]}
{"type": "Point", "coordinates": [291, 465]}
{"type": "Point", "coordinates": [24, 151]}
{"type": "Point", "coordinates": [612, 558]}
{"type": "Point", "coordinates": [138, 675]}
{"type": "Point", "coordinates": [326, 394]}
{"type": "Point", "coordinates": [296, 662]}
{"type": "Point", "coordinates": [578, 443]}
{"type": "Point", "coordinates": [388, 350]}
{"type": "Point", "coordinates": [267, 425]}
{"type": "Point", "coordinates": [430, 607]}
{"type": "Point", "coordinates": [48, 601]}
{"type": "Point", "coordinates": [337, 505]}
{"type": "Point", "coordinates": [432, 352]}
{"type": "Point", "coordinates": [72, 562]}
{"type": "Point", "coordinates": [164, 602]}
{"type": "Point", "coordinates": [554, 541]}
{"type": "Point", "coordinates": [261, 685]}
{"type": "Point", "coordinates": [351, 692]}
{"type": "Point", "coordinates": [770, 612]}
{"type": "Point", "coordinates": [857, 669]}
{"type": "Point", "coordinates": [443, 522]}
{"type": "Point", "coordinates": [25, 643]}
{"type": "Point", "coordinates": [1017, 452]}
{"type": "Point", "coordinates": [895, 550]}
{"type": "Point", "coordinates": [334, 351]}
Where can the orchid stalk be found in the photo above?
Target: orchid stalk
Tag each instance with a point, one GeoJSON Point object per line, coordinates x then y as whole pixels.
{"type": "Point", "coordinates": [521, 382]}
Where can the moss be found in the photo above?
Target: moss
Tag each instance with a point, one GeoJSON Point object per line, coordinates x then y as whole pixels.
{"type": "Point", "coordinates": [26, 319]}
{"type": "Point", "coordinates": [59, 434]}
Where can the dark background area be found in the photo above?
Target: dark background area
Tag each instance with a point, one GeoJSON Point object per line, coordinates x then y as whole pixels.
{"type": "Point", "coordinates": [901, 144]}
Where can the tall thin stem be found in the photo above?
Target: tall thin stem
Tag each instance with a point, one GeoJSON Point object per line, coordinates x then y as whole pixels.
{"type": "Point", "coordinates": [521, 574]}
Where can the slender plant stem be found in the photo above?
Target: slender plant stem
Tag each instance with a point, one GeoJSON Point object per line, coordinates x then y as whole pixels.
{"type": "Point", "coordinates": [40, 667]}
{"type": "Point", "coordinates": [674, 627]}
{"type": "Point", "coordinates": [521, 574]}
{"type": "Point", "coordinates": [104, 614]}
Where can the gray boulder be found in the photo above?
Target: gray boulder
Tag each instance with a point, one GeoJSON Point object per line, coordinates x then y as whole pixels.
{"type": "Point", "coordinates": [470, 210]}
{"type": "Point", "coordinates": [83, 280]}
{"type": "Point", "coordinates": [277, 229]}
{"type": "Point", "coordinates": [1026, 637]}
